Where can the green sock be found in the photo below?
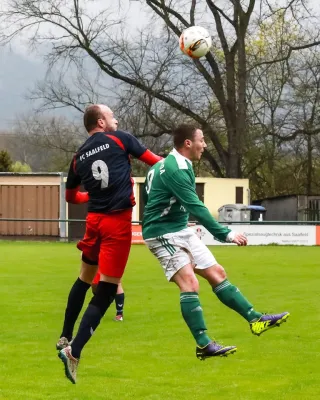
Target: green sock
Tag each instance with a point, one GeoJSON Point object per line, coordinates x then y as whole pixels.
{"type": "Point", "coordinates": [192, 313]}
{"type": "Point", "coordinates": [231, 296]}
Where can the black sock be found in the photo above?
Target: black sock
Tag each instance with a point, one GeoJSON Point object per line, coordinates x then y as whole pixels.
{"type": "Point", "coordinates": [75, 302]}
{"type": "Point", "coordinates": [119, 300]}
{"type": "Point", "coordinates": [97, 307]}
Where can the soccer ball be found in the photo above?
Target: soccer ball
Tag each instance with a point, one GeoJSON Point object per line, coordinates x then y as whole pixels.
{"type": "Point", "coordinates": [195, 41]}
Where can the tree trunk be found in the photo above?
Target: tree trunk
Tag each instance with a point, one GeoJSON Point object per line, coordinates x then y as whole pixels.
{"type": "Point", "coordinates": [309, 166]}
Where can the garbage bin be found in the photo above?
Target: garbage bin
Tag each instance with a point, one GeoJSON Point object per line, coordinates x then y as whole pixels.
{"type": "Point", "coordinates": [257, 213]}
{"type": "Point", "coordinates": [234, 213]}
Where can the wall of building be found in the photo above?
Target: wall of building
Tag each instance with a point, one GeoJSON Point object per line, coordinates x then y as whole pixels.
{"type": "Point", "coordinates": [221, 191]}
{"type": "Point", "coordinates": [282, 208]}
{"type": "Point", "coordinates": [41, 196]}
{"type": "Point", "coordinates": [291, 208]}
{"type": "Point", "coordinates": [217, 192]}
{"type": "Point", "coordinates": [29, 179]}
{"type": "Point", "coordinates": [30, 196]}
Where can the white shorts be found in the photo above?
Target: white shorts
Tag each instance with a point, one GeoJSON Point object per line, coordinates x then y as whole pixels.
{"type": "Point", "coordinates": [175, 250]}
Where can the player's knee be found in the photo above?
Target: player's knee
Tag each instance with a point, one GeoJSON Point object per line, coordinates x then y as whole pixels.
{"type": "Point", "coordinates": [104, 296]}
{"type": "Point", "coordinates": [195, 286]}
{"type": "Point", "coordinates": [94, 287]}
{"type": "Point", "coordinates": [220, 273]}
{"type": "Point", "coordinates": [190, 283]}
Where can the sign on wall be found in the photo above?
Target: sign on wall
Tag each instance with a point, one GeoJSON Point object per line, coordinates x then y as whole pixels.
{"type": "Point", "coordinates": [137, 234]}
{"type": "Point", "coordinates": [301, 235]}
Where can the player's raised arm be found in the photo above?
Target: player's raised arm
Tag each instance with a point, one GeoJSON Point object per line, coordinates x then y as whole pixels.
{"type": "Point", "coordinates": [73, 195]}
{"type": "Point", "coordinates": [150, 158]}
{"type": "Point", "coordinates": [137, 149]}
{"type": "Point", "coordinates": [181, 187]}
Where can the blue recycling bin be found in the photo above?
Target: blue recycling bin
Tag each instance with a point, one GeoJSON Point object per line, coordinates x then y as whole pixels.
{"type": "Point", "coordinates": [257, 212]}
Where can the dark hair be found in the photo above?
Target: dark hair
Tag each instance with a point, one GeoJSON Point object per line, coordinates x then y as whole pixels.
{"type": "Point", "coordinates": [91, 116]}
{"type": "Point", "coordinates": [182, 133]}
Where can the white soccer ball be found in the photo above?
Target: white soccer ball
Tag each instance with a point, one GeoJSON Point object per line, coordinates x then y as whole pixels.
{"type": "Point", "coordinates": [195, 41]}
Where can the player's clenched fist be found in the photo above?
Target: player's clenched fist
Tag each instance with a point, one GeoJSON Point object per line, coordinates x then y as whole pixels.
{"type": "Point", "coordinates": [240, 239]}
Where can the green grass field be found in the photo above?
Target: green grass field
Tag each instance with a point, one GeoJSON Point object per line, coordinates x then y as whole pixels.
{"type": "Point", "coordinates": [151, 355]}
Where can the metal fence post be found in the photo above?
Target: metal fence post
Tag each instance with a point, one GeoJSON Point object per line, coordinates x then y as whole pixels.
{"type": "Point", "coordinates": [63, 208]}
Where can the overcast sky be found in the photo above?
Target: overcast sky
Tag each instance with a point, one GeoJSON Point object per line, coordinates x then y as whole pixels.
{"type": "Point", "coordinates": [19, 70]}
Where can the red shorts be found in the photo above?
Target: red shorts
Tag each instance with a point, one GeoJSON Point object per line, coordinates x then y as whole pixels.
{"type": "Point", "coordinates": [107, 241]}
{"type": "Point", "coordinates": [96, 279]}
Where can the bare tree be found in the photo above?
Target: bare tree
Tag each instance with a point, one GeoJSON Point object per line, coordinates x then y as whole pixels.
{"type": "Point", "coordinates": [305, 84]}
{"type": "Point", "coordinates": [283, 100]}
{"type": "Point", "coordinates": [46, 144]}
{"type": "Point", "coordinates": [211, 92]}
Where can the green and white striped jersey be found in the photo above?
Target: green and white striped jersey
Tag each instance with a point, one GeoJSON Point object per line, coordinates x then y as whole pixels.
{"type": "Point", "coordinates": [170, 195]}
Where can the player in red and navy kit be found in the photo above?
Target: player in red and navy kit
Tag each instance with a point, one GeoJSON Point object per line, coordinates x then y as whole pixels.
{"type": "Point", "coordinates": [119, 298]}
{"type": "Point", "coordinates": [102, 166]}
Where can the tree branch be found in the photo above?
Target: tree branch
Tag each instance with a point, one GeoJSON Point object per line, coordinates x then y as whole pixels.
{"type": "Point", "coordinates": [286, 57]}
{"type": "Point", "coordinates": [208, 156]}
{"type": "Point", "coordinates": [213, 6]}
{"type": "Point", "coordinates": [295, 134]}
{"type": "Point", "coordinates": [192, 12]}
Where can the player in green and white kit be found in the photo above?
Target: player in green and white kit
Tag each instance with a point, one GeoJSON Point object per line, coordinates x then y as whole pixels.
{"type": "Point", "coordinates": [169, 198]}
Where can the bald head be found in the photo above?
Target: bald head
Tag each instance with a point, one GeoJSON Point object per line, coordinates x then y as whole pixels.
{"type": "Point", "coordinates": [99, 118]}
{"type": "Point", "coordinates": [104, 109]}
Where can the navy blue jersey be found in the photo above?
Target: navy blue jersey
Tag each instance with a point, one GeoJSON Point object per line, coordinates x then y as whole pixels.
{"type": "Point", "coordinates": [102, 165]}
